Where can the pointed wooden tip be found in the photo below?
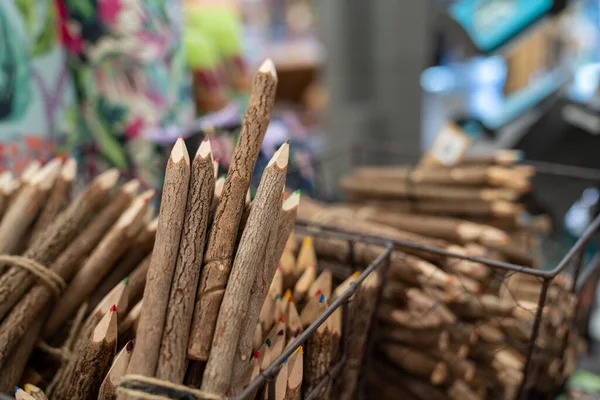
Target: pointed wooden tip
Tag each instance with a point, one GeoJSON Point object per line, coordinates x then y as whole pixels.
{"type": "Point", "coordinates": [132, 186]}
{"type": "Point", "coordinates": [20, 394]}
{"type": "Point", "coordinates": [205, 149]}
{"type": "Point", "coordinates": [267, 67]}
{"type": "Point", "coordinates": [292, 201]}
{"type": "Point", "coordinates": [307, 241]}
{"type": "Point", "coordinates": [46, 176]}
{"type": "Point", "coordinates": [153, 225]}
{"type": "Point", "coordinates": [30, 170]}
{"type": "Point", "coordinates": [106, 330]}
{"type": "Point", "coordinates": [322, 298]}
{"type": "Point", "coordinates": [356, 275]}
{"type": "Point", "coordinates": [129, 346]}
{"type": "Point", "coordinates": [281, 156]}
{"type": "Point", "coordinates": [282, 319]}
{"type": "Point", "coordinates": [134, 210]}
{"type": "Point", "coordinates": [300, 350]}
{"type": "Point", "coordinates": [108, 179]}
{"type": "Point", "coordinates": [287, 294]}
{"type": "Point", "coordinates": [69, 169]}
{"type": "Point", "coordinates": [147, 195]}
{"type": "Point", "coordinates": [257, 354]}
{"type": "Point", "coordinates": [179, 151]}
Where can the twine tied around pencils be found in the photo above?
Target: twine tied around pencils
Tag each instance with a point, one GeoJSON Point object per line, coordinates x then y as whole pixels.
{"type": "Point", "coordinates": [53, 281]}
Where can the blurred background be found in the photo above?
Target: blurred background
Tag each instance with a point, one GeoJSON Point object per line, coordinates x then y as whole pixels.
{"type": "Point", "coordinates": [115, 82]}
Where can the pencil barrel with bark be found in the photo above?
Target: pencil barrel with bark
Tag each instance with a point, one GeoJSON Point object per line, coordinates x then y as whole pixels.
{"type": "Point", "coordinates": [162, 264]}
{"type": "Point", "coordinates": [95, 359]}
{"type": "Point", "coordinates": [172, 360]}
{"type": "Point", "coordinates": [264, 277]}
{"type": "Point", "coordinates": [58, 198]}
{"type": "Point", "coordinates": [249, 258]}
{"type": "Point", "coordinates": [108, 389]}
{"type": "Point", "coordinates": [99, 262]}
{"type": "Point", "coordinates": [26, 206]}
{"type": "Point", "coordinates": [218, 258]}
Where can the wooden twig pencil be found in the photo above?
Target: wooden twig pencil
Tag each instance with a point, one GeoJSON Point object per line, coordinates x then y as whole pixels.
{"type": "Point", "coordinates": [7, 187]}
{"type": "Point", "coordinates": [112, 246]}
{"type": "Point", "coordinates": [15, 282]}
{"type": "Point", "coordinates": [128, 328]}
{"type": "Point", "coordinates": [35, 392]}
{"type": "Point", "coordinates": [26, 206]}
{"type": "Point", "coordinates": [249, 258]}
{"type": "Point", "coordinates": [58, 198]}
{"type": "Point", "coordinates": [361, 312]}
{"type": "Point", "coordinates": [500, 157]}
{"type": "Point", "coordinates": [162, 264]}
{"type": "Point", "coordinates": [303, 284]}
{"type": "Point", "coordinates": [172, 361]}
{"type": "Point", "coordinates": [294, 382]}
{"type": "Point", "coordinates": [20, 394]}
{"type": "Point", "coordinates": [108, 389]}
{"type": "Point", "coordinates": [221, 243]}
{"type": "Point", "coordinates": [139, 249]}
{"type": "Point", "coordinates": [117, 297]}
{"type": "Point", "coordinates": [262, 284]}
{"type": "Point", "coordinates": [95, 359]}
{"type": "Point", "coordinates": [17, 360]}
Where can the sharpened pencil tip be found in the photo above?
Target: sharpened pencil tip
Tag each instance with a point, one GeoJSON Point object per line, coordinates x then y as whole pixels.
{"type": "Point", "coordinates": [282, 319]}
{"type": "Point", "coordinates": [267, 67]}
{"type": "Point", "coordinates": [285, 361]}
{"type": "Point", "coordinates": [280, 333]}
{"type": "Point", "coordinates": [113, 308]}
{"type": "Point", "coordinates": [318, 292]}
{"type": "Point", "coordinates": [126, 280]}
{"type": "Point", "coordinates": [268, 342]}
{"type": "Point", "coordinates": [16, 389]}
{"type": "Point", "coordinates": [322, 298]}
{"type": "Point", "coordinates": [257, 354]}
{"type": "Point", "coordinates": [300, 350]}
{"type": "Point", "coordinates": [179, 151]}
{"type": "Point", "coordinates": [356, 275]}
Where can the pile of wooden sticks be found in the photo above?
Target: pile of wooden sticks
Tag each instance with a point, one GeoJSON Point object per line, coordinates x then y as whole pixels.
{"type": "Point", "coordinates": [453, 328]}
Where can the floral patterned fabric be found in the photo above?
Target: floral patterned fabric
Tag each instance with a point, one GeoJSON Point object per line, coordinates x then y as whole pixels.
{"type": "Point", "coordinates": [130, 75]}
{"type": "Point", "coordinates": [35, 84]}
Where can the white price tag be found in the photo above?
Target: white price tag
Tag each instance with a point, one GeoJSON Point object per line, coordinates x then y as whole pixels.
{"type": "Point", "coordinates": [449, 147]}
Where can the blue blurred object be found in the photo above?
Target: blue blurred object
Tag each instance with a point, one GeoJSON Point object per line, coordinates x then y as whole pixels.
{"type": "Point", "coordinates": [490, 24]}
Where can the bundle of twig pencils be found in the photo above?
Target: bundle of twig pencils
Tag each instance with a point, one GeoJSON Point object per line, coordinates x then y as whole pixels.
{"type": "Point", "coordinates": [454, 328]}
{"type": "Point", "coordinates": [96, 271]}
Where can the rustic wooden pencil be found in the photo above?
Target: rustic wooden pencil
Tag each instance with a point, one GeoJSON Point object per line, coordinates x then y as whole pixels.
{"type": "Point", "coordinates": [306, 256]}
{"type": "Point", "coordinates": [295, 375]}
{"type": "Point", "coordinates": [118, 297]}
{"type": "Point", "coordinates": [95, 359]}
{"type": "Point", "coordinates": [108, 389]}
{"type": "Point", "coordinates": [58, 199]}
{"type": "Point", "coordinates": [113, 245]}
{"type": "Point", "coordinates": [20, 394]}
{"type": "Point", "coordinates": [303, 284]}
{"type": "Point", "coordinates": [8, 185]}
{"type": "Point", "coordinates": [162, 264]}
{"type": "Point", "coordinates": [128, 328]}
{"type": "Point", "coordinates": [361, 312]}
{"type": "Point", "coordinates": [26, 206]}
{"type": "Point", "coordinates": [172, 360]}
{"type": "Point", "coordinates": [137, 252]}
{"type": "Point", "coordinates": [250, 256]}
{"type": "Point", "coordinates": [262, 289]}
{"type": "Point", "coordinates": [35, 392]}
{"type": "Point", "coordinates": [218, 258]}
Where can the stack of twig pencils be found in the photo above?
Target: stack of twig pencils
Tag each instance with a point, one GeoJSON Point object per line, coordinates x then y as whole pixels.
{"type": "Point", "coordinates": [452, 328]}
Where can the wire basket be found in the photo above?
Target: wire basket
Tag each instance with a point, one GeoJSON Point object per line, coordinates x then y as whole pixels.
{"type": "Point", "coordinates": [552, 285]}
